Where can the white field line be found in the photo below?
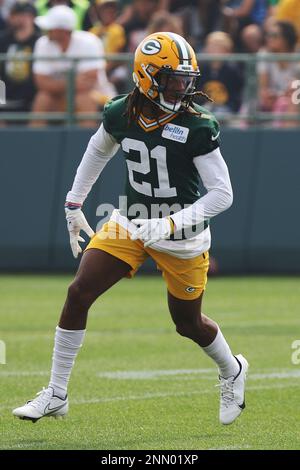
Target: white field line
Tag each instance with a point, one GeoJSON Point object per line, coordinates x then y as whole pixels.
{"type": "Point", "coordinates": [16, 373]}
{"type": "Point", "coordinates": [205, 373]}
{"type": "Point", "coordinates": [147, 396]}
{"type": "Point", "coordinates": [153, 374]}
{"type": "Point", "coordinates": [22, 446]}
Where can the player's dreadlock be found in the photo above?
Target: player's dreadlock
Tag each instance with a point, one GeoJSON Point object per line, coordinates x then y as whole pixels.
{"type": "Point", "coordinates": [204, 95]}
{"type": "Point", "coordinates": [136, 101]}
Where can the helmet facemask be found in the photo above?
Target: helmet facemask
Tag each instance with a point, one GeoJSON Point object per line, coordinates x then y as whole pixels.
{"type": "Point", "coordinates": [172, 90]}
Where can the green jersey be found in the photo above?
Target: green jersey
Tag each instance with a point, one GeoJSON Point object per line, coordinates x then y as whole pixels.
{"type": "Point", "coordinates": [161, 174]}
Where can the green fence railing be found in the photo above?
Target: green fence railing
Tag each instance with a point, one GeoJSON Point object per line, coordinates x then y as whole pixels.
{"type": "Point", "coordinates": [252, 116]}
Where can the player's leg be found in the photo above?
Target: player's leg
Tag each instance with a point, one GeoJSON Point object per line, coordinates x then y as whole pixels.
{"type": "Point", "coordinates": [186, 280]}
{"type": "Point", "coordinates": [110, 255]}
{"type": "Point", "coordinates": [192, 323]}
{"type": "Point", "coordinates": [97, 272]}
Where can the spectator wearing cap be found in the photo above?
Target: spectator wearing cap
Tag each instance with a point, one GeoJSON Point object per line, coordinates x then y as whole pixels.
{"type": "Point", "coordinates": [62, 41]}
{"type": "Point", "coordinates": [79, 7]}
{"type": "Point", "coordinates": [18, 39]}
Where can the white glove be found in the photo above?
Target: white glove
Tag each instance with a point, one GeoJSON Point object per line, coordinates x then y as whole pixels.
{"type": "Point", "coordinates": [76, 222]}
{"type": "Point", "coordinates": [152, 230]}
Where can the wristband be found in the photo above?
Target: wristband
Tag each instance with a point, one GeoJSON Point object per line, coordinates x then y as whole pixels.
{"type": "Point", "coordinates": [72, 205]}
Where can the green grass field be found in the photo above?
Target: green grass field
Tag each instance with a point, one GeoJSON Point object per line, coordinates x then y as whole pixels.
{"type": "Point", "coordinates": [139, 385]}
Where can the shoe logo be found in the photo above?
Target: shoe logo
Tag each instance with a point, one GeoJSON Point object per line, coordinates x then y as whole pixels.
{"type": "Point", "coordinates": [51, 410]}
{"type": "Point", "coordinates": [190, 289]}
{"type": "Point", "coordinates": [213, 138]}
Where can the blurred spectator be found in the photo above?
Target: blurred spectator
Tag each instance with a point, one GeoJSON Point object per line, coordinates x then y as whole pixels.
{"type": "Point", "coordinates": [18, 39]}
{"type": "Point", "coordinates": [275, 77]}
{"type": "Point", "coordinates": [272, 4]}
{"type": "Point", "coordinates": [2, 20]}
{"type": "Point", "coordinates": [164, 21]}
{"type": "Point", "coordinates": [191, 13]}
{"type": "Point", "coordinates": [246, 11]}
{"type": "Point", "coordinates": [252, 39]}
{"type": "Point", "coordinates": [221, 81]}
{"type": "Point", "coordinates": [51, 76]}
{"type": "Point", "coordinates": [289, 10]}
{"type": "Point", "coordinates": [289, 103]}
{"type": "Point", "coordinates": [210, 15]}
{"type": "Point", "coordinates": [240, 13]}
{"type": "Point", "coordinates": [5, 7]}
{"type": "Point", "coordinates": [127, 10]}
{"type": "Point", "coordinates": [79, 6]}
{"type": "Point", "coordinates": [136, 26]}
{"type": "Point", "coordinates": [113, 36]}
{"type": "Point", "coordinates": [106, 27]}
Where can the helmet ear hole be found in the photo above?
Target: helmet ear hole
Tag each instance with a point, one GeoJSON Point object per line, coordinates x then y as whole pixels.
{"type": "Point", "coordinates": [140, 74]}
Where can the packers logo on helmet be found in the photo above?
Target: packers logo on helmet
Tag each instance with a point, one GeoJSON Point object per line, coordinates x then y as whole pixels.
{"type": "Point", "coordinates": [151, 47]}
{"type": "Point", "coordinates": [166, 71]}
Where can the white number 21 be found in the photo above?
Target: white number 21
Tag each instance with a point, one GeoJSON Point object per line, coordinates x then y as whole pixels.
{"type": "Point", "coordinates": [159, 153]}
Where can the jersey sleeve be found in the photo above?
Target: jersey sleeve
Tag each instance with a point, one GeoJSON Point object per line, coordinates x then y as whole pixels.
{"type": "Point", "coordinates": [106, 119]}
{"type": "Point", "coordinates": [114, 118]}
{"type": "Point", "coordinates": [206, 138]}
{"type": "Point", "coordinates": [101, 148]}
{"type": "Point", "coordinates": [213, 171]}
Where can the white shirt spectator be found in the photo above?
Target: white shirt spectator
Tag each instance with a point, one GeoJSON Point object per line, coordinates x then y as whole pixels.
{"type": "Point", "coordinates": [82, 45]}
{"type": "Point", "coordinates": [279, 77]}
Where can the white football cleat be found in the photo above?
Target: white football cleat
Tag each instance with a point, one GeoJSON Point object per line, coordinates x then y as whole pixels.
{"type": "Point", "coordinates": [46, 404]}
{"type": "Point", "coordinates": [232, 393]}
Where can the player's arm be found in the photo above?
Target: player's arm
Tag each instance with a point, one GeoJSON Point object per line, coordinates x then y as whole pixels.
{"type": "Point", "coordinates": [214, 174]}
{"type": "Point", "coordinates": [215, 177]}
{"type": "Point", "coordinates": [101, 148]}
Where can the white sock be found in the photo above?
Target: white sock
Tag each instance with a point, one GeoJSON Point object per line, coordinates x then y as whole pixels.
{"type": "Point", "coordinates": [220, 352]}
{"type": "Point", "coordinates": [66, 346]}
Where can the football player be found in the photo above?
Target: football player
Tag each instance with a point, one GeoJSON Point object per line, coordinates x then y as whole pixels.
{"type": "Point", "coordinates": [169, 143]}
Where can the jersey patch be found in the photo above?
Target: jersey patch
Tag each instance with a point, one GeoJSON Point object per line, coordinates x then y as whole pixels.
{"type": "Point", "coordinates": [177, 133]}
